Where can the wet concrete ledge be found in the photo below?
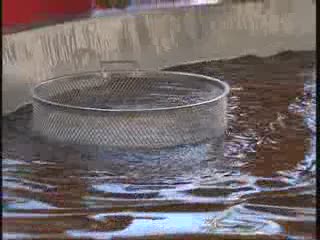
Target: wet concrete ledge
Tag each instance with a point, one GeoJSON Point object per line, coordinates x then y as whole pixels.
{"type": "Point", "coordinates": [156, 39]}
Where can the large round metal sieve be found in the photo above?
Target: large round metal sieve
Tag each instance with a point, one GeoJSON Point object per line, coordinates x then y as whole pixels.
{"type": "Point", "coordinates": [130, 108]}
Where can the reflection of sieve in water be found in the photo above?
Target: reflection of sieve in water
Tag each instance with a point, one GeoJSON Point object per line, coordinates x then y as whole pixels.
{"type": "Point", "coordinates": [187, 162]}
{"type": "Point", "coordinates": [131, 109]}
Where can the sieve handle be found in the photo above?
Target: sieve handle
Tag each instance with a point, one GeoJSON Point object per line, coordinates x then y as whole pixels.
{"type": "Point", "coordinates": [125, 65]}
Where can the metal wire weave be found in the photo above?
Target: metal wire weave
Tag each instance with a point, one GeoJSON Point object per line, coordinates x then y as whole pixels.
{"type": "Point", "coordinates": [131, 109]}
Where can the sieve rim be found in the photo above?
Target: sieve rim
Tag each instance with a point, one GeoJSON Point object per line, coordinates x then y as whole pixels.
{"type": "Point", "coordinates": [225, 88]}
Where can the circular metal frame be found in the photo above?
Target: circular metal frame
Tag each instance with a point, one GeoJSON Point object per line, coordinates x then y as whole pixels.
{"type": "Point", "coordinates": [225, 86]}
{"type": "Point", "coordinates": [150, 126]}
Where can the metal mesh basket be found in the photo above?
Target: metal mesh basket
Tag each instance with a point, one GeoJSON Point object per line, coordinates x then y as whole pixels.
{"type": "Point", "coordinates": [130, 108]}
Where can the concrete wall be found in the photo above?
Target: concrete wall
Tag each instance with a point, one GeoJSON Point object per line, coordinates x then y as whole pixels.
{"type": "Point", "coordinates": [155, 38]}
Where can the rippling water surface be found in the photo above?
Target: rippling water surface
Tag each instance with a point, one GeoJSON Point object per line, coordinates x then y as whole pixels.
{"type": "Point", "coordinates": [261, 186]}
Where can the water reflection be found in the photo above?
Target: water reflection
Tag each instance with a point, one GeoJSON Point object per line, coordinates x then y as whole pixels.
{"type": "Point", "coordinates": [262, 182]}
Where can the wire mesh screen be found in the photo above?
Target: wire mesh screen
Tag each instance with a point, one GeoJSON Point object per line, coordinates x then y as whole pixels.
{"type": "Point", "coordinates": [130, 109]}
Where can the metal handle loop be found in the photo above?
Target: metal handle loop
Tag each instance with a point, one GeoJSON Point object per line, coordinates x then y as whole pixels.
{"type": "Point", "coordinates": [117, 66]}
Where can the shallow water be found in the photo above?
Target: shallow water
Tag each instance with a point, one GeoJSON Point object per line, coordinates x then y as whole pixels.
{"type": "Point", "coordinates": [261, 187]}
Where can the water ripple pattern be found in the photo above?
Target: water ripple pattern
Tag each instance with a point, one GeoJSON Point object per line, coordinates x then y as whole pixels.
{"type": "Point", "coordinates": [259, 181]}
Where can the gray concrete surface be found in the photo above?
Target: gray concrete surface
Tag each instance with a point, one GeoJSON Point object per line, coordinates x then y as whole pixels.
{"type": "Point", "coordinates": [155, 38]}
